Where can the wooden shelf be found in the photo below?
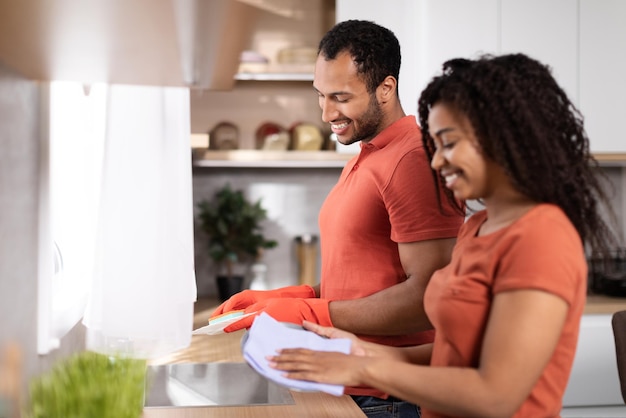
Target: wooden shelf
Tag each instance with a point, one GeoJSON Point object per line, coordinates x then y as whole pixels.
{"type": "Point", "coordinates": [313, 159]}
{"type": "Point", "coordinates": [252, 76]}
{"type": "Point", "coordinates": [602, 304]}
{"type": "Point", "coordinates": [270, 159]}
{"type": "Point", "coordinates": [611, 159]}
{"type": "Point", "coordinates": [275, 72]}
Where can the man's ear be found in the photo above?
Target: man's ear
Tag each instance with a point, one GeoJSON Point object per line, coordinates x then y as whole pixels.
{"type": "Point", "coordinates": [387, 89]}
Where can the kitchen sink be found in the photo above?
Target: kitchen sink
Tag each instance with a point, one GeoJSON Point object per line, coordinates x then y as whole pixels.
{"type": "Point", "coordinates": [210, 384]}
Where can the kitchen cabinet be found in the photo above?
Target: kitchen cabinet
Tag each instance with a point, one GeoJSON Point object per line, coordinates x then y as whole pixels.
{"type": "Point", "coordinates": [452, 29]}
{"type": "Point", "coordinates": [594, 379]}
{"type": "Point", "coordinates": [582, 40]}
{"type": "Point", "coordinates": [402, 20]}
{"type": "Point", "coordinates": [602, 69]}
{"type": "Point", "coordinates": [546, 31]}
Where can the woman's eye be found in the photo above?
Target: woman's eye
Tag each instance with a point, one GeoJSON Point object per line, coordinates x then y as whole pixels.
{"type": "Point", "coordinates": [448, 145]}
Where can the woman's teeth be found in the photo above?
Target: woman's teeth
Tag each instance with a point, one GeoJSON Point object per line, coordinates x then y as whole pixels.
{"type": "Point", "coordinates": [450, 178]}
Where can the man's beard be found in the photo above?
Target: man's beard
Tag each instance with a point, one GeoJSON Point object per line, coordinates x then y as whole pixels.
{"type": "Point", "coordinates": [368, 123]}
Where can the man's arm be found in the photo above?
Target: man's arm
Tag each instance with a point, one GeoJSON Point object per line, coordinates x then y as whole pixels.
{"type": "Point", "coordinates": [399, 309]}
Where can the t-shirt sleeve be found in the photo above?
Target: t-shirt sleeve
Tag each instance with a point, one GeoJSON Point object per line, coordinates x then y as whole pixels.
{"type": "Point", "coordinates": [547, 256]}
{"type": "Point", "coordinates": [412, 203]}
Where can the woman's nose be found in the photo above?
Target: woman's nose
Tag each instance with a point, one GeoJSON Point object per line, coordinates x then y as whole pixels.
{"type": "Point", "coordinates": [437, 160]}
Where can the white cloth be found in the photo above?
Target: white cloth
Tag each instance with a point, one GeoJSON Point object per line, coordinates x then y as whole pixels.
{"type": "Point", "coordinates": [267, 335]}
{"type": "Point", "coordinates": [143, 291]}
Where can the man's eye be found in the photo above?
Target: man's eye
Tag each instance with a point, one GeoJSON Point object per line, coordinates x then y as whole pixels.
{"type": "Point", "coordinates": [340, 100]}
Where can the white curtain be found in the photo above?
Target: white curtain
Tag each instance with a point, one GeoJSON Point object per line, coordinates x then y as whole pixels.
{"type": "Point", "coordinates": [143, 291]}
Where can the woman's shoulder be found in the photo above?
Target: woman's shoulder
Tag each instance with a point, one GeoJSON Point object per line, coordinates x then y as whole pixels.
{"type": "Point", "coordinates": [546, 215]}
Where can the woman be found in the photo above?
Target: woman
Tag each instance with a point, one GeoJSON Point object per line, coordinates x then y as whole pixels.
{"type": "Point", "coordinates": [508, 306]}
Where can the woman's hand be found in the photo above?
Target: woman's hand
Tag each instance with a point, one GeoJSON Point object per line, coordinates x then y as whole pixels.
{"type": "Point", "coordinates": [321, 366]}
{"type": "Point", "coordinates": [324, 366]}
{"type": "Point", "coordinates": [357, 346]}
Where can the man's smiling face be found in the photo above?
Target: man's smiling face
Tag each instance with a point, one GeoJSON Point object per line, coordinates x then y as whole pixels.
{"type": "Point", "coordinates": [352, 112]}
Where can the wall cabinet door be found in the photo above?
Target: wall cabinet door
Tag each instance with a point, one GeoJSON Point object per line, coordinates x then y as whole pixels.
{"type": "Point", "coordinates": [594, 379]}
{"type": "Point", "coordinates": [602, 70]}
{"type": "Point", "coordinates": [430, 32]}
{"type": "Point", "coordinates": [583, 41]}
{"type": "Point", "coordinates": [546, 31]}
{"type": "Point", "coordinates": [454, 29]}
{"type": "Point", "coordinates": [402, 20]}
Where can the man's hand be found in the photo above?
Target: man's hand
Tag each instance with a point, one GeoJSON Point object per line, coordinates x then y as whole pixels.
{"type": "Point", "coordinates": [287, 310]}
{"type": "Point", "coordinates": [243, 300]}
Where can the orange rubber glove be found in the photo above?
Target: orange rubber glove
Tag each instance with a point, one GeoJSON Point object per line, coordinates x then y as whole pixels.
{"type": "Point", "coordinates": [287, 310]}
{"type": "Point", "coordinates": [249, 297]}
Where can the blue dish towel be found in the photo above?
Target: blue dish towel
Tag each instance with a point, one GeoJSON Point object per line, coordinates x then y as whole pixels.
{"type": "Point", "coordinates": [267, 335]}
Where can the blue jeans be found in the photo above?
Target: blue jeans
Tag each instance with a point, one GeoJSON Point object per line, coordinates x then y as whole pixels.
{"type": "Point", "coordinates": [387, 408]}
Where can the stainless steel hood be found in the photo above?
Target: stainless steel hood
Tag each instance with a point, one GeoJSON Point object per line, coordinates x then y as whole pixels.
{"type": "Point", "coordinates": [195, 43]}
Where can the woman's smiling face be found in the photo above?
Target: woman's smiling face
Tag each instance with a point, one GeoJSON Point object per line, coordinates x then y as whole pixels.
{"type": "Point", "coordinates": [458, 156]}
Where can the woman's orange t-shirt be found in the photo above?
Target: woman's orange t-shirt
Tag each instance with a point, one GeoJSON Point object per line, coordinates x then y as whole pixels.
{"type": "Point", "coordinates": [542, 250]}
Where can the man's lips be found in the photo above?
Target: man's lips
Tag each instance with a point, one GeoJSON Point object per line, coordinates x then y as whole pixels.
{"type": "Point", "coordinates": [339, 128]}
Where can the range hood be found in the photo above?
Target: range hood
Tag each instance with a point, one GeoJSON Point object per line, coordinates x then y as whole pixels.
{"type": "Point", "coordinates": [194, 43]}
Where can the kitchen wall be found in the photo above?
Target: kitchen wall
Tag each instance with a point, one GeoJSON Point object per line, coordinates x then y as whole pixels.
{"type": "Point", "coordinates": [292, 197]}
{"type": "Point", "coordinates": [20, 107]}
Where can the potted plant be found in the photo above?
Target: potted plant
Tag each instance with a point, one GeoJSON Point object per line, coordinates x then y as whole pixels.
{"type": "Point", "coordinates": [232, 224]}
{"type": "Point", "coordinates": [89, 384]}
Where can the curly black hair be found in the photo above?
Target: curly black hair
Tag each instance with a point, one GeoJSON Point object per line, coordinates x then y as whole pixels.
{"type": "Point", "coordinates": [525, 122]}
{"type": "Point", "coordinates": [374, 49]}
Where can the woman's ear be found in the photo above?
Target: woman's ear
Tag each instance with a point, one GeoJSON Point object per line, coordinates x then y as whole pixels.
{"type": "Point", "coordinates": [387, 89]}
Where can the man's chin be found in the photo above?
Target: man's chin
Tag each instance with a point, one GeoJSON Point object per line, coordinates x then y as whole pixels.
{"type": "Point", "coordinates": [347, 140]}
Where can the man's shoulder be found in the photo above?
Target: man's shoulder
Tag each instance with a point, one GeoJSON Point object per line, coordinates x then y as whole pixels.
{"type": "Point", "coordinates": [405, 129]}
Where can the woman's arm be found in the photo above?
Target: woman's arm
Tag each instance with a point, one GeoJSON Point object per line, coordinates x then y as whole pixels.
{"type": "Point", "coordinates": [520, 338]}
{"type": "Point", "coordinates": [415, 354]}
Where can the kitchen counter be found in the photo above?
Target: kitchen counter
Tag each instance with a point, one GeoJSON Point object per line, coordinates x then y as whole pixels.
{"type": "Point", "coordinates": [601, 304]}
{"type": "Point", "coordinates": [226, 348]}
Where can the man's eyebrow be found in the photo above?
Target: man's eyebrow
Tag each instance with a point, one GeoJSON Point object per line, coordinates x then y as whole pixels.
{"type": "Point", "coordinates": [334, 93]}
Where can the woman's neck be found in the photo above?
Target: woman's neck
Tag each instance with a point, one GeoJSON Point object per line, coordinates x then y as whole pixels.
{"type": "Point", "coordinates": [502, 212]}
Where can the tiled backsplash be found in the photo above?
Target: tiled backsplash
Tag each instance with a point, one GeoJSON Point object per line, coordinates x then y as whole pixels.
{"type": "Point", "coordinates": [616, 191]}
{"type": "Point", "coordinates": [292, 198]}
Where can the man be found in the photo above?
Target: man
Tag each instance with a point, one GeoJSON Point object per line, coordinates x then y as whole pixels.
{"type": "Point", "coordinates": [384, 227]}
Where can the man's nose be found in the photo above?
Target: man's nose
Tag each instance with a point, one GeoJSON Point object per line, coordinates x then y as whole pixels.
{"type": "Point", "coordinates": [329, 111]}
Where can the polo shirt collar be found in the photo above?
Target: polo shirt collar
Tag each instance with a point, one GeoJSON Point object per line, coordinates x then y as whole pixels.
{"type": "Point", "coordinates": [391, 132]}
